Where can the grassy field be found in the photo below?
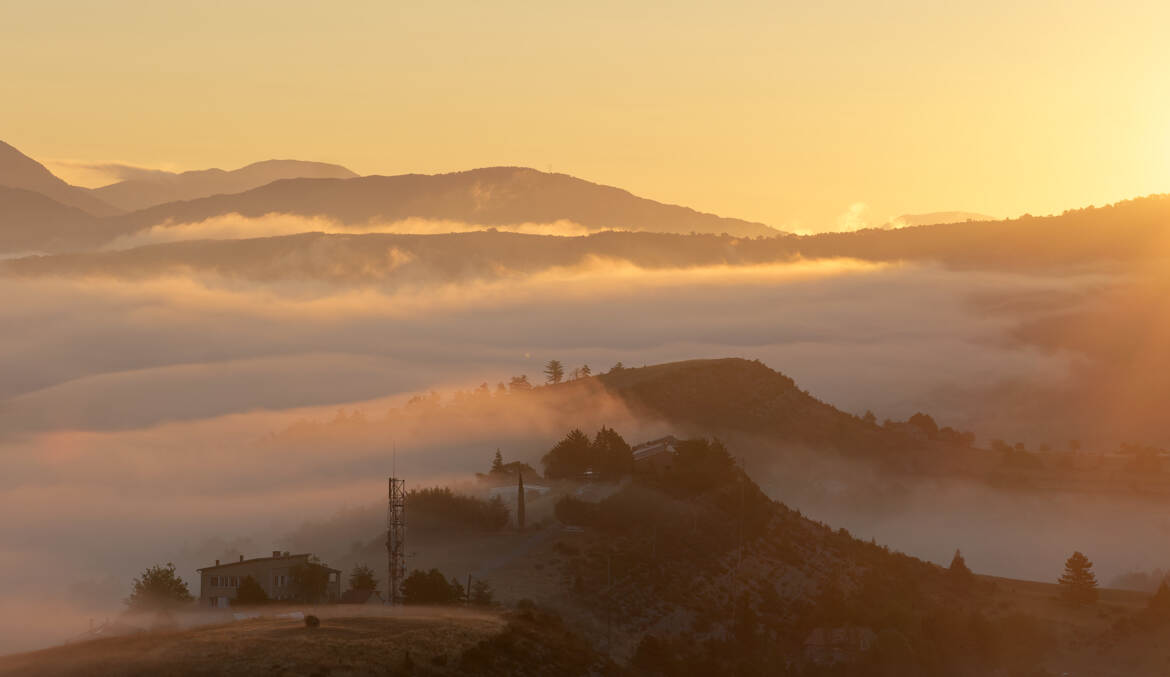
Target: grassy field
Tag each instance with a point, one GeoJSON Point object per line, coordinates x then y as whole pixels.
{"type": "Point", "coordinates": [348, 642]}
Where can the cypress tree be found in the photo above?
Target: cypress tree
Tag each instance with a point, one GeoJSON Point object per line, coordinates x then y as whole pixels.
{"type": "Point", "coordinates": [520, 501]}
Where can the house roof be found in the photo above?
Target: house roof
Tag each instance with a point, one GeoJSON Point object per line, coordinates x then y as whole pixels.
{"type": "Point", "coordinates": [304, 555]}
{"type": "Point", "coordinates": [655, 447]}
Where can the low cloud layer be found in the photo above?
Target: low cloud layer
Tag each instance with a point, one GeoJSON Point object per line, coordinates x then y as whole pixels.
{"type": "Point", "coordinates": [235, 227]}
{"type": "Point", "coordinates": [154, 417]}
{"type": "Point", "coordinates": [94, 174]}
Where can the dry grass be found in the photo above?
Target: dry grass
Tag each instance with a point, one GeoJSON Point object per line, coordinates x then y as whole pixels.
{"type": "Point", "coordinates": [360, 642]}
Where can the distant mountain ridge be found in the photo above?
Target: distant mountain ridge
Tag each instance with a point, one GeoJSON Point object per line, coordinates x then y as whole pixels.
{"type": "Point", "coordinates": [160, 187]}
{"type": "Point", "coordinates": [492, 196]}
{"type": "Point", "coordinates": [933, 218]}
{"type": "Point", "coordinates": [1124, 234]}
{"type": "Point", "coordinates": [31, 221]}
{"type": "Point", "coordinates": [18, 170]}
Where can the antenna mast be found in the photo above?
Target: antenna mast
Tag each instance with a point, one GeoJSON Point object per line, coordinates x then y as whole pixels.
{"type": "Point", "coordinates": [396, 534]}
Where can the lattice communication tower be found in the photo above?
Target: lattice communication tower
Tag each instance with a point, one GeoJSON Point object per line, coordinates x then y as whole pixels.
{"type": "Point", "coordinates": [396, 539]}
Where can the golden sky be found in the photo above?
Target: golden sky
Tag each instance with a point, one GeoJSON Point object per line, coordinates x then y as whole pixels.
{"type": "Point", "coordinates": [791, 113]}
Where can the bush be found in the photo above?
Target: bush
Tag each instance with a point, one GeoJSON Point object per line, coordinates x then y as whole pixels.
{"type": "Point", "coordinates": [309, 581]}
{"type": "Point", "coordinates": [575, 512]}
{"type": "Point", "coordinates": [312, 621]}
{"type": "Point", "coordinates": [430, 587]}
{"type": "Point", "coordinates": [481, 593]}
{"type": "Point", "coordinates": [250, 593]}
{"type": "Point", "coordinates": [158, 588]}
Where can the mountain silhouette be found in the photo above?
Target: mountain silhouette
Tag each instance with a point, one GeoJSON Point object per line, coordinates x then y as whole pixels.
{"type": "Point", "coordinates": [18, 170]}
{"type": "Point", "coordinates": [1128, 233]}
{"type": "Point", "coordinates": [494, 196]}
{"type": "Point", "coordinates": [158, 187]}
{"type": "Point", "coordinates": [31, 221]}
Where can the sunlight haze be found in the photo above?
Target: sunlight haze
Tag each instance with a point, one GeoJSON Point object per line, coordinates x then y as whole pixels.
{"type": "Point", "coordinates": [805, 110]}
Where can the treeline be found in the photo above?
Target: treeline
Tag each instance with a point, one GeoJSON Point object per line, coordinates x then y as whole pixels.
{"type": "Point", "coordinates": [440, 509]}
{"type": "Point", "coordinates": [671, 543]}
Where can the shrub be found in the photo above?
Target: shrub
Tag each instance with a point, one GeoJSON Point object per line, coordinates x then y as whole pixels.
{"type": "Point", "coordinates": [158, 588]}
{"type": "Point", "coordinates": [430, 587]}
{"type": "Point", "coordinates": [250, 593]}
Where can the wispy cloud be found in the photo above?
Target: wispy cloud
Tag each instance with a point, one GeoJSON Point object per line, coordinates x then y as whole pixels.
{"type": "Point", "coordinates": [96, 174]}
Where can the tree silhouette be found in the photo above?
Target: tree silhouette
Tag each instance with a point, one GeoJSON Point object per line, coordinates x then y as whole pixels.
{"type": "Point", "coordinates": [481, 593]}
{"type": "Point", "coordinates": [1078, 584]}
{"type": "Point", "coordinates": [612, 456]}
{"type": "Point", "coordinates": [430, 587]}
{"type": "Point", "coordinates": [1158, 608]}
{"type": "Point", "coordinates": [586, 372]}
{"type": "Point", "coordinates": [498, 462]}
{"type": "Point", "coordinates": [554, 371]}
{"type": "Point", "coordinates": [309, 581]}
{"type": "Point", "coordinates": [158, 588]}
{"type": "Point", "coordinates": [362, 578]}
{"type": "Point", "coordinates": [925, 423]}
{"type": "Point", "coordinates": [250, 593]}
{"type": "Point", "coordinates": [569, 458]}
{"type": "Point", "coordinates": [958, 572]}
{"type": "Point", "coordinates": [519, 383]}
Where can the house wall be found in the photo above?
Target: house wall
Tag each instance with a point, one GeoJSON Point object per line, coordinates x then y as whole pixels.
{"type": "Point", "coordinates": [273, 575]}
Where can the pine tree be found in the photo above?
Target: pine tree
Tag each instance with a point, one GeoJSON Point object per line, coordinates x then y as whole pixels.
{"type": "Point", "coordinates": [958, 571]}
{"type": "Point", "coordinates": [554, 371]}
{"type": "Point", "coordinates": [498, 462]}
{"type": "Point", "coordinates": [1159, 606]}
{"type": "Point", "coordinates": [481, 593]}
{"type": "Point", "coordinates": [1078, 584]}
{"type": "Point", "coordinates": [520, 501]}
{"type": "Point", "coordinates": [586, 372]}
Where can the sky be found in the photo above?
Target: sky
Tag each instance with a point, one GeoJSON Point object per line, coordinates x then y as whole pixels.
{"type": "Point", "coordinates": [805, 116]}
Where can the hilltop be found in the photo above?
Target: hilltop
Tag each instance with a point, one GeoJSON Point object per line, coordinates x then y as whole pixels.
{"type": "Point", "coordinates": [154, 187]}
{"type": "Point", "coordinates": [31, 221]}
{"type": "Point", "coordinates": [350, 641]}
{"type": "Point", "coordinates": [18, 170]}
{"type": "Point", "coordinates": [491, 196]}
{"type": "Point", "coordinates": [693, 570]}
